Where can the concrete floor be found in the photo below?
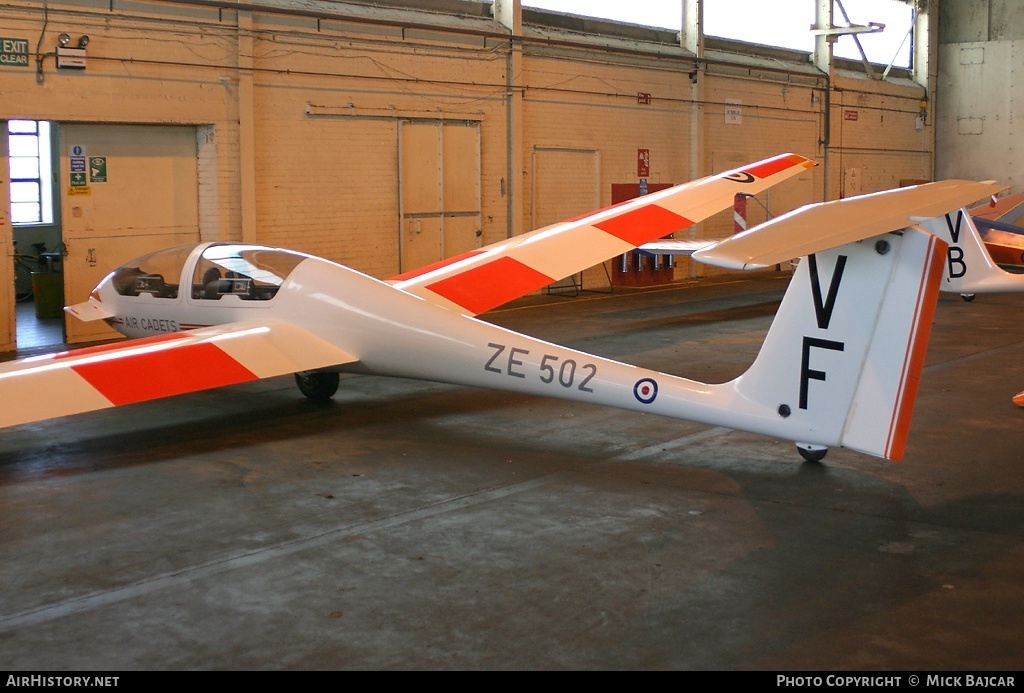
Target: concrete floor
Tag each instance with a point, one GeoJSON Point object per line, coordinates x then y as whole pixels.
{"type": "Point", "coordinates": [419, 526]}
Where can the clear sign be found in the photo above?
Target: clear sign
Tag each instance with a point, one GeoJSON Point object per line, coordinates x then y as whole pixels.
{"type": "Point", "coordinates": [14, 51]}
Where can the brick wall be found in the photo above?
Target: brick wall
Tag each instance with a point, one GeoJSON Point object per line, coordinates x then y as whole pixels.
{"type": "Point", "coordinates": [327, 96]}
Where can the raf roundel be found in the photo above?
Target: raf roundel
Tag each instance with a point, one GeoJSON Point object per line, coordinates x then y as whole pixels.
{"type": "Point", "coordinates": [740, 177]}
{"type": "Point", "coordinates": [645, 390]}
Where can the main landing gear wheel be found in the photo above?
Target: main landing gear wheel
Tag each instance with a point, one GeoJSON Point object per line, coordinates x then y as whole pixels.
{"type": "Point", "coordinates": [319, 386]}
{"type": "Point", "coordinates": [811, 453]}
{"type": "Point", "coordinates": [967, 297]}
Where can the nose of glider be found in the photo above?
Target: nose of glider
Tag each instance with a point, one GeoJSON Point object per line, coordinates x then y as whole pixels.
{"type": "Point", "coordinates": [1018, 399]}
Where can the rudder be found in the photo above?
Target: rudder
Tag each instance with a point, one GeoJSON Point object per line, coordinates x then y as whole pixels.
{"type": "Point", "coordinates": [841, 363]}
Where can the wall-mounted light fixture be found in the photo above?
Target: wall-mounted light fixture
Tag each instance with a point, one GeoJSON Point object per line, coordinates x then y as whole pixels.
{"type": "Point", "coordinates": [71, 58]}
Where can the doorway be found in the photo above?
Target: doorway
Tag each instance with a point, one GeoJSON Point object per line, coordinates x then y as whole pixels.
{"type": "Point", "coordinates": [84, 199]}
{"type": "Point", "coordinates": [35, 232]}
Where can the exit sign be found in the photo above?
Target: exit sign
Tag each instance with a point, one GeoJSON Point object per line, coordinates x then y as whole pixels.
{"type": "Point", "coordinates": [14, 51]}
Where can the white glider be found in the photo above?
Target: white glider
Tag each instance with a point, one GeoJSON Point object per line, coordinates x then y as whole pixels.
{"type": "Point", "coordinates": [839, 366]}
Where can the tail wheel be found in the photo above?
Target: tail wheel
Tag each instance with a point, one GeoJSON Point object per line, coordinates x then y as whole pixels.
{"type": "Point", "coordinates": [811, 453]}
{"type": "Point", "coordinates": [319, 386]}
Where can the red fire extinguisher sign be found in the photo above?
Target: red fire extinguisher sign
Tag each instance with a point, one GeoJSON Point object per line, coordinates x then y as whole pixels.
{"type": "Point", "coordinates": [643, 163]}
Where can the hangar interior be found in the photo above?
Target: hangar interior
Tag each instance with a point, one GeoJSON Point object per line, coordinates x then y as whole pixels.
{"type": "Point", "coordinates": [496, 531]}
{"type": "Point", "coordinates": [387, 136]}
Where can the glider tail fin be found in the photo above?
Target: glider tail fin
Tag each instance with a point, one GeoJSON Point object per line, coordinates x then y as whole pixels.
{"type": "Point", "coordinates": [842, 360]}
{"type": "Point", "coordinates": [969, 267]}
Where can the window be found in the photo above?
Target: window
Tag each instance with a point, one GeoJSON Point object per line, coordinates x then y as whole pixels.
{"type": "Point", "coordinates": [667, 14]}
{"type": "Point", "coordinates": [30, 158]}
{"type": "Point", "coordinates": [785, 23]}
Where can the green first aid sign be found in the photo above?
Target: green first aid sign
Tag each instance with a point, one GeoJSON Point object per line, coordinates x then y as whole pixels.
{"type": "Point", "coordinates": [14, 51]}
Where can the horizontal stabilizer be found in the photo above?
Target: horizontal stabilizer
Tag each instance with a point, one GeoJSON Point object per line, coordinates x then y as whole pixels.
{"type": "Point", "coordinates": [1007, 210]}
{"type": "Point", "coordinates": [87, 311]}
{"type": "Point", "coordinates": [824, 225]}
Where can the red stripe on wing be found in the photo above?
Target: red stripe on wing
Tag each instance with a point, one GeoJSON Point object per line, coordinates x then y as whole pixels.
{"type": "Point", "coordinates": [774, 165]}
{"type": "Point", "coordinates": [644, 224]}
{"type": "Point", "coordinates": [481, 288]}
{"type": "Point", "coordinates": [138, 377]}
